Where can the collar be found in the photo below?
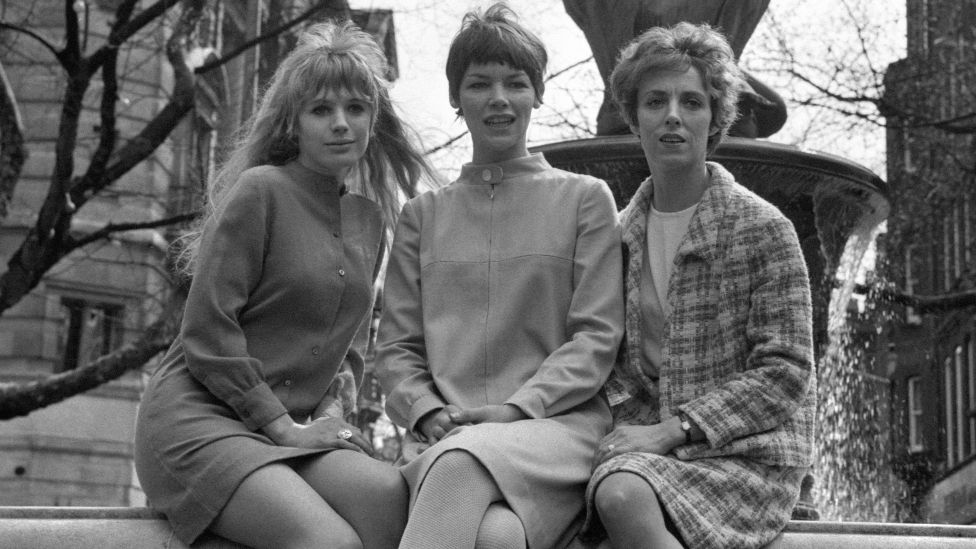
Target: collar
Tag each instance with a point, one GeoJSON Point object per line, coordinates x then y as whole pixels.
{"type": "Point", "coordinates": [502, 171]}
{"type": "Point", "coordinates": [705, 228]}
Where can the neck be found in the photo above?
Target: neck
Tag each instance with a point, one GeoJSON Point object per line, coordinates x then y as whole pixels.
{"type": "Point", "coordinates": [494, 157]}
{"type": "Point", "coordinates": [676, 190]}
{"type": "Point", "coordinates": [338, 174]}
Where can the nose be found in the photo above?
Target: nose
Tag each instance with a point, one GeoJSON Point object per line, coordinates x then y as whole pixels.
{"type": "Point", "coordinates": [339, 123]}
{"type": "Point", "coordinates": [673, 118]}
{"type": "Point", "coordinates": [498, 97]}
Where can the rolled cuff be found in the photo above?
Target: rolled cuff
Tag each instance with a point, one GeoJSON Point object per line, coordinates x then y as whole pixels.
{"type": "Point", "coordinates": [421, 407]}
{"type": "Point", "coordinates": [258, 407]}
{"type": "Point", "coordinates": [531, 404]}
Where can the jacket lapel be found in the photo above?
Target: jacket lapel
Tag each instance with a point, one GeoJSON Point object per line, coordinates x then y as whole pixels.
{"type": "Point", "coordinates": [706, 225]}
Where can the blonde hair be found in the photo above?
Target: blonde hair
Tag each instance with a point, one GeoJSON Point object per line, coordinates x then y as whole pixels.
{"type": "Point", "coordinates": [328, 56]}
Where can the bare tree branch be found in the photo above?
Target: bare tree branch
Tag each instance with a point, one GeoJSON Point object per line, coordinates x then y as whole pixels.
{"type": "Point", "coordinates": [21, 399]}
{"type": "Point", "coordinates": [113, 228]}
{"type": "Point", "coordinates": [13, 154]}
{"type": "Point", "coordinates": [47, 45]}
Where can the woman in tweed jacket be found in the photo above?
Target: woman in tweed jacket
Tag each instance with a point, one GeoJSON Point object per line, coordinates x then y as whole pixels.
{"type": "Point", "coordinates": [713, 396]}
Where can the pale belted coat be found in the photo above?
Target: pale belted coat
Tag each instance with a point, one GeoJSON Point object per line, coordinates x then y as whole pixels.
{"type": "Point", "coordinates": [737, 359]}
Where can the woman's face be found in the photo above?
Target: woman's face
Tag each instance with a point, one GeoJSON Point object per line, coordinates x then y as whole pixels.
{"type": "Point", "coordinates": [496, 101]}
{"type": "Point", "coordinates": [674, 119]}
{"type": "Point", "coordinates": [333, 131]}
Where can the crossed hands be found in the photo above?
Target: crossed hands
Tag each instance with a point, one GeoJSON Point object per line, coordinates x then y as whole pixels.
{"type": "Point", "coordinates": [439, 423]}
{"type": "Point", "coordinates": [659, 439]}
{"type": "Point", "coordinates": [321, 433]}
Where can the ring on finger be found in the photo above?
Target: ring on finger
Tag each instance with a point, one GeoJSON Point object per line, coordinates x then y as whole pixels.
{"type": "Point", "coordinates": [610, 447]}
{"type": "Point", "coordinates": [344, 434]}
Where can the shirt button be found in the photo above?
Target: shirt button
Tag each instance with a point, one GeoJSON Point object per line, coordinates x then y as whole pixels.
{"type": "Point", "coordinates": [315, 350]}
{"type": "Point", "coordinates": [486, 175]}
{"type": "Point", "coordinates": [287, 383]}
{"type": "Point", "coordinates": [342, 272]}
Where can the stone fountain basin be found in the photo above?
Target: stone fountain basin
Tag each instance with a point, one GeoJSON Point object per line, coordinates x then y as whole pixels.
{"type": "Point", "coordinates": [139, 527]}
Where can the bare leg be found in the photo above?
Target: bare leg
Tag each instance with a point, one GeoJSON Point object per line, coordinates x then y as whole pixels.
{"type": "Point", "coordinates": [369, 494]}
{"type": "Point", "coordinates": [632, 514]}
{"type": "Point", "coordinates": [275, 508]}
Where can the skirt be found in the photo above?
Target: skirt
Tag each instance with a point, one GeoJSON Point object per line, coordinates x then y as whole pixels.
{"type": "Point", "coordinates": [720, 503]}
{"type": "Point", "coordinates": [192, 452]}
{"type": "Point", "coordinates": [541, 466]}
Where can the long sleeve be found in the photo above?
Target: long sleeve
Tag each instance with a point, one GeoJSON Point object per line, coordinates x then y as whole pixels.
{"type": "Point", "coordinates": [575, 371]}
{"type": "Point", "coordinates": [229, 267]}
{"type": "Point", "coordinates": [401, 358]}
{"type": "Point", "coordinates": [778, 328]}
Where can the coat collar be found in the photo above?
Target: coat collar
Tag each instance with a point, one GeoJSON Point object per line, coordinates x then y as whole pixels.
{"type": "Point", "coordinates": [501, 171]}
{"type": "Point", "coordinates": [705, 227]}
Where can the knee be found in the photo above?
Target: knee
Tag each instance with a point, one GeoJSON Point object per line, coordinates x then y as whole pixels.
{"type": "Point", "coordinates": [454, 466]}
{"type": "Point", "coordinates": [621, 494]}
{"type": "Point", "coordinates": [389, 483]}
{"type": "Point", "coordinates": [458, 460]}
{"type": "Point", "coordinates": [336, 540]}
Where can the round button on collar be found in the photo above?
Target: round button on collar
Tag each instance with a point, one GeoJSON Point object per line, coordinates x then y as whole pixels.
{"type": "Point", "coordinates": [486, 174]}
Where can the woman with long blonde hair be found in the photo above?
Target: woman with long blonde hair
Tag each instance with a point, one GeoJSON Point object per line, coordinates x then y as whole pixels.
{"type": "Point", "coordinates": [236, 433]}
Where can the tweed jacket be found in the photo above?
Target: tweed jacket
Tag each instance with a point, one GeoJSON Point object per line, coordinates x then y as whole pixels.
{"type": "Point", "coordinates": [738, 345]}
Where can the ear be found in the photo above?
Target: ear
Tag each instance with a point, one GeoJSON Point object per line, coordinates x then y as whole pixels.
{"type": "Point", "coordinates": [634, 129]}
{"type": "Point", "coordinates": [537, 103]}
{"type": "Point", "coordinates": [454, 104]}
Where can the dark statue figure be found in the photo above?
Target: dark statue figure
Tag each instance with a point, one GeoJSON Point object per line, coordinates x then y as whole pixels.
{"type": "Point", "coordinates": [610, 24]}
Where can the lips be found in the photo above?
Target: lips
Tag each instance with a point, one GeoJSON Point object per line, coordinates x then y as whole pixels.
{"type": "Point", "coordinates": [340, 143]}
{"type": "Point", "coordinates": [499, 121]}
{"type": "Point", "coordinates": [672, 138]}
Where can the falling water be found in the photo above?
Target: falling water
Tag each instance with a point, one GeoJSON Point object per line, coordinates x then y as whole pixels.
{"type": "Point", "coordinates": [853, 461]}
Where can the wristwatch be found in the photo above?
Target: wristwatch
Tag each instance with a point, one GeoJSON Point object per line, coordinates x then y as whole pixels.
{"type": "Point", "coordinates": [685, 426]}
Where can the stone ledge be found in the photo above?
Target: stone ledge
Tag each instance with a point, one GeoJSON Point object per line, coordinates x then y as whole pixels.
{"type": "Point", "coordinates": [135, 527]}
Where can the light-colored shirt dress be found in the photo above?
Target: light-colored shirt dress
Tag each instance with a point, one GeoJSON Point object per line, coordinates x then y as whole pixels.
{"type": "Point", "coordinates": [505, 288]}
{"type": "Point", "coordinates": [282, 285]}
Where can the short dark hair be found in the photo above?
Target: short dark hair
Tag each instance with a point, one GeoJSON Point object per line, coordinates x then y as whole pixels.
{"type": "Point", "coordinates": [678, 48]}
{"type": "Point", "coordinates": [495, 36]}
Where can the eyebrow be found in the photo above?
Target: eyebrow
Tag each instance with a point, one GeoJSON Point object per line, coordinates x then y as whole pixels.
{"type": "Point", "coordinates": [518, 74]}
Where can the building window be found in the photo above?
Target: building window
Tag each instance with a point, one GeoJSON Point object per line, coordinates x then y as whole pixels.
{"type": "Point", "coordinates": [971, 412]}
{"type": "Point", "coordinates": [915, 441]}
{"type": "Point", "coordinates": [950, 409]}
{"type": "Point", "coordinates": [946, 254]}
{"type": "Point", "coordinates": [962, 405]}
{"type": "Point", "coordinates": [959, 399]}
{"type": "Point", "coordinates": [90, 330]}
{"type": "Point", "coordinates": [912, 318]}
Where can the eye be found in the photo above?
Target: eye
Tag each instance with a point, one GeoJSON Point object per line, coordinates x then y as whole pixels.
{"type": "Point", "coordinates": [357, 108]}
{"type": "Point", "coordinates": [477, 85]}
{"type": "Point", "coordinates": [320, 109]}
{"type": "Point", "coordinates": [519, 84]}
{"type": "Point", "coordinates": [654, 102]}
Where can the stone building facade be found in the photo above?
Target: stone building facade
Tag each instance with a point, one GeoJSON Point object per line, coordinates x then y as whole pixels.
{"type": "Point", "coordinates": [930, 105]}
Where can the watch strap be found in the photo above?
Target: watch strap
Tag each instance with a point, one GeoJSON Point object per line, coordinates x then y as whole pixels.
{"type": "Point", "coordinates": [685, 426]}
